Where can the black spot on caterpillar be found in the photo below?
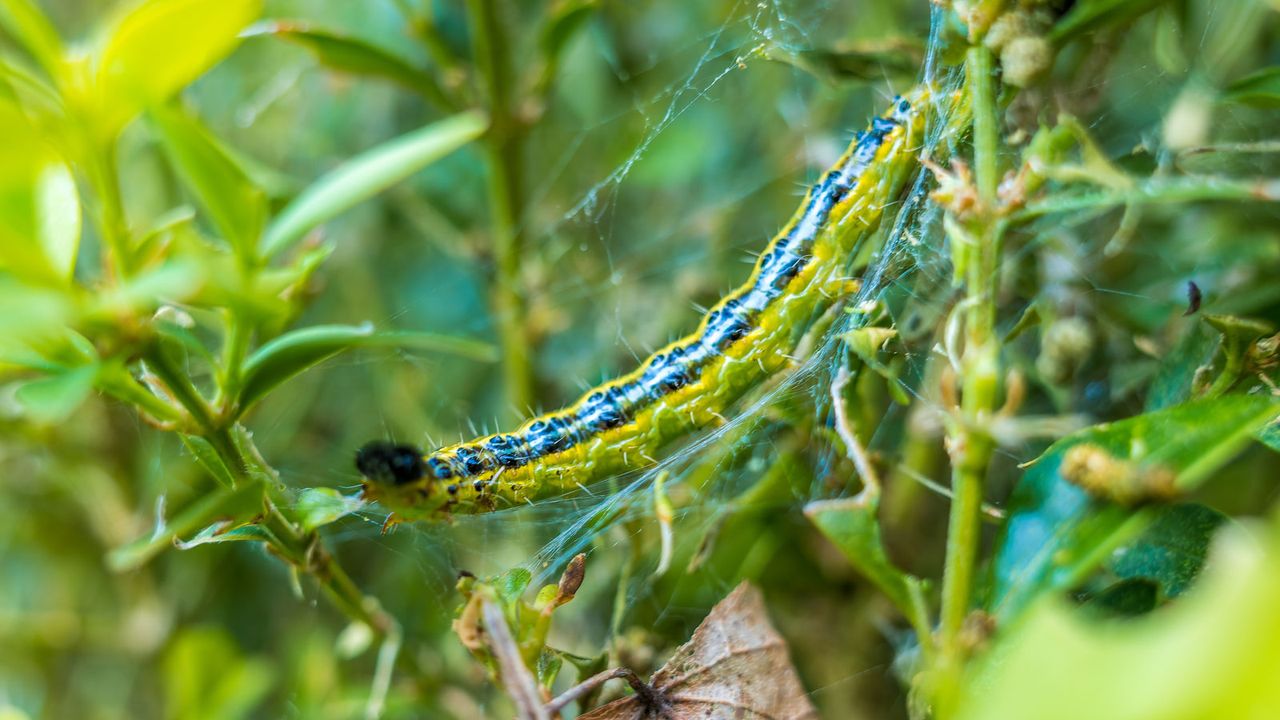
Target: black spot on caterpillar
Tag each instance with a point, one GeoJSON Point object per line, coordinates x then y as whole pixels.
{"type": "Point", "coordinates": [685, 386]}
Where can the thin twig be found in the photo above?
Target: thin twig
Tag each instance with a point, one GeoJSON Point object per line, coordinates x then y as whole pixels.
{"type": "Point", "coordinates": [515, 676]}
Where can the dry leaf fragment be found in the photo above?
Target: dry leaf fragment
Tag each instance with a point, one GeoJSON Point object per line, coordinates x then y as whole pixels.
{"type": "Point", "coordinates": [735, 667]}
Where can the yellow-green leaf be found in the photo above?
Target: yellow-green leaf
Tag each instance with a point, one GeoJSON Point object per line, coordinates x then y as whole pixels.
{"type": "Point", "coordinates": [160, 47]}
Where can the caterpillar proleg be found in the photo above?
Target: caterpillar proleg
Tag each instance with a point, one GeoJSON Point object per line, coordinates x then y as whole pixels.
{"type": "Point", "coordinates": [688, 384]}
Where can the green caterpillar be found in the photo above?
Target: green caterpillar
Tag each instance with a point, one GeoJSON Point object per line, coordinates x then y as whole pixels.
{"type": "Point", "coordinates": [686, 385]}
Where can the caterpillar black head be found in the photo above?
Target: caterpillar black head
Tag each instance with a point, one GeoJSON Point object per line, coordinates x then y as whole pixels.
{"type": "Point", "coordinates": [390, 463]}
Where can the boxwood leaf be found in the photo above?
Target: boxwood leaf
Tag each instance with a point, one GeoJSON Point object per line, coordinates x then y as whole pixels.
{"type": "Point", "coordinates": [368, 174]}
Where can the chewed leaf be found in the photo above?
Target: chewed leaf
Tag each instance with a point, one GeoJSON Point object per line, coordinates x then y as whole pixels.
{"type": "Point", "coordinates": [320, 506]}
{"type": "Point", "coordinates": [1172, 551]}
{"type": "Point", "coordinates": [736, 665]}
{"type": "Point", "coordinates": [215, 513]}
{"type": "Point", "coordinates": [368, 174]}
{"type": "Point", "coordinates": [1057, 533]}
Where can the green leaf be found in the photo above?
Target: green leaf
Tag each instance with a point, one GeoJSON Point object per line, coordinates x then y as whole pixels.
{"type": "Point", "coordinates": [28, 24]}
{"type": "Point", "coordinates": [237, 208]}
{"type": "Point", "coordinates": [350, 55]}
{"type": "Point", "coordinates": [317, 507]}
{"type": "Point", "coordinates": [159, 48]}
{"type": "Point", "coordinates": [39, 205]}
{"type": "Point", "coordinates": [206, 676]}
{"type": "Point", "coordinates": [852, 525]}
{"type": "Point", "coordinates": [1172, 383]}
{"type": "Point", "coordinates": [1259, 89]}
{"type": "Point", "coordinates": [208, 458]}
{"type": "Point", "coordinates": [897, 57]}
{"type": "Point", "coordinates": [219, 510]}
{"type": "Point", "coordinates": [290, 354]}
{"type": "Point", "coordinates": [1172, 550]}
{"type": "Point", "coordinates": [51, 399]}
{"type": "Point", "coordinates": [1057, 534]}
{"type": "Point", "coordinates": [1269, 435]}
{"type": "Point", "coordinates": [563, 21]}
{"type": "Point", "coordinates": [367, 174]}
{"type": "Point", "coordinates": [1087, 15]}
{"type": "Point", "coordinates": [1213, 654]}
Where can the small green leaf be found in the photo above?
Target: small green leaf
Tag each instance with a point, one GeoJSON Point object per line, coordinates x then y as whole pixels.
{"type": "Point", "coordinates": [52, 399]}
{"type": "Point", "coordinates": [1173, 382]}
{"type": "Point", "coordinates": [1269, 435]}
{"type": "Point", "coordinates": [237, 208]}
{"type": "Point", "coordinates": [299, 350]}
{"type": "Point", "coordinates": [511, 584]}
{"type": "Point", "coordinates": [1259, 89]}
{"type": "Point", "coordinates": [208, 458]}
{"type": "Point", "coordinates": [27, 23]}
{"type": "Point", "coordinates": [350, 55]}
{"type": "Point", "coordinates": [851, 524]}
{"type": "Point", "coordinates": [367, 174]}
{"type": "Point", "coordinates": [318, 507]}
{"type": "Point", "coordinates": [159, 48]}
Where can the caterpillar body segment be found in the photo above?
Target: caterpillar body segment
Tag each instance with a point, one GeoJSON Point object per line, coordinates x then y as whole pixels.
{"type": "Point", "coordinates": [687, 385]}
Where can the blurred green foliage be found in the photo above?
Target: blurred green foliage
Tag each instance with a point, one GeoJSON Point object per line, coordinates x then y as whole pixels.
{"type": "Point", "coordinates": [238, 239]}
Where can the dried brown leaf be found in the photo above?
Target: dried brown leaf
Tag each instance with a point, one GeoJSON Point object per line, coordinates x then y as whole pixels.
{"type": "Point", "coordinates": [735, 667]}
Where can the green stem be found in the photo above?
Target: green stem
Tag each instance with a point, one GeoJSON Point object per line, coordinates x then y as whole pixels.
{"type": "Point", "coordinates": [503, 153]}
{"type": "Point", "coordinates": [112, 224]}
{"type": "Point", "coordinates": [971, 445]}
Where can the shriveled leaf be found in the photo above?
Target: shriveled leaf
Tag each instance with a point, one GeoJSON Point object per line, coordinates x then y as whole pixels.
{"type": "Point", "coordinates": [1057, 533]}
{"type": "Point", "coordinates": [735, 666]}
{"type": "Point", "coordinates": [237, 208]}
{"type": "Point", "coordinates": [1213, 654]}
{"type": "Point", "coordinates": [1259, 89]}
{"type": "Point", "coordinates": [290, 354]}
{"type": "Point", "coordinates": [318, 507]}
{"type": "Point", "coordinates": [367, 174]}
{"type": "Point", "coordinates": [351, 55]}
{"type": "Point", "coordinates": [218, 511]}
